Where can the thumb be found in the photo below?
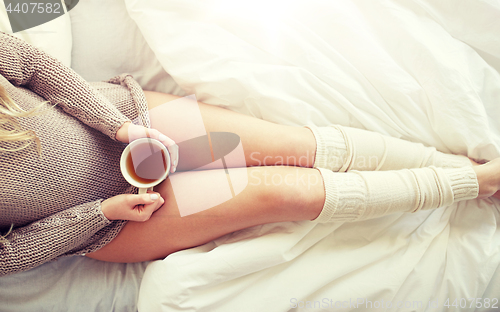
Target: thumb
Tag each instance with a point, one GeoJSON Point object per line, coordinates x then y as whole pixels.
{"type": "Point", "coordinates": [144, 199]}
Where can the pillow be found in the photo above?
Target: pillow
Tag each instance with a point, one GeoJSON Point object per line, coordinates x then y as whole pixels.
{"type": "Point", "coordinates": [53, 37]}
{"type": "Point", "coordinates": [107, 42]}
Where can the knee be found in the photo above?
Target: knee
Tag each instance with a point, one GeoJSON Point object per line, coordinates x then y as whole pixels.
{"type": "Point", "coordinates": [295, 189]}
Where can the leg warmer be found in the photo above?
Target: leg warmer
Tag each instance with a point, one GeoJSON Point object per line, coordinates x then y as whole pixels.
{"type": "Point", "coordinates": [343, 148]}
{"type": "Point", "coordinates": [356, 195]}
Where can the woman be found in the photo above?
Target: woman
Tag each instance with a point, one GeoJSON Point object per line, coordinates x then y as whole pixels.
{"type": "Point", "coordinates": [65, 194]}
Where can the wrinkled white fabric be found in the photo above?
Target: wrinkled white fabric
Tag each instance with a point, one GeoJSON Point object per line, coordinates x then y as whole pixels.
{"type": "Point", "coordinates": [420, 70]}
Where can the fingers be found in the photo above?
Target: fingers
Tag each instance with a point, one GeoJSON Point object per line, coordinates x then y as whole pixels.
{"type": "Point", "coordinates": [173, 150]}
{"type": "Point", "coordinates": [148, 209]}
{"type": "Point", "coordinates": [158, 202]}
{"type": "Point", "coordinates": [144, 205]}
{"type": "Point", "coordinates": [132, 207]}
{"type": "Point", "coordinates": [144, 199]}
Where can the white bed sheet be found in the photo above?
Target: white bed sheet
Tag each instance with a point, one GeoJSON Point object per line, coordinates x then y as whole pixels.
{"type": "Point", "coordinates": [78, 284]}
{"type": "Point", "coordinates": [418, 70]}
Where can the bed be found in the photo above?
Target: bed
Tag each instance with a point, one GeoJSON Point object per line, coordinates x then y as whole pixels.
{"type": "Point", "coordinates": [422, 70]}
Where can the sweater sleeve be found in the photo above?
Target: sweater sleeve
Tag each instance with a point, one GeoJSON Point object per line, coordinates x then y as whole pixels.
{"type": "Point", "coordinates": [34, 244]}
{"type": "Point", "coordinates": [26, 66]}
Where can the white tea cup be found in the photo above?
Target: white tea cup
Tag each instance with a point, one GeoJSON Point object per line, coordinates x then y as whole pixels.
{"type": "Point", "coordinates": [145, 163]}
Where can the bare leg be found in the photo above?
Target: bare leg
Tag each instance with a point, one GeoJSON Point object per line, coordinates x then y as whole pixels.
{"type": "Point", "coordinates": [265, 143]}
{"type": "Point", "coordinates": [273, 194]}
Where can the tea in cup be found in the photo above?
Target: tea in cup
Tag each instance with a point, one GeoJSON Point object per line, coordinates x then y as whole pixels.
{"type": "Point", "coordinates": [145, 163]}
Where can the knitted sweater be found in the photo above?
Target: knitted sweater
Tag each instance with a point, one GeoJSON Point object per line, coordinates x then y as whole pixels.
{"type": "Point", "coordinates": [54, 200]}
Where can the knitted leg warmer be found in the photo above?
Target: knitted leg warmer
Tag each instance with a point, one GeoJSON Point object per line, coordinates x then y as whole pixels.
{"type": "Point", "coordinates": [356, 195]}
{"type": "Point", "coordinates": [342, 149]}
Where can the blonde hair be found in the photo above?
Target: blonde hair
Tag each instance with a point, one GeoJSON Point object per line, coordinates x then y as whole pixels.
{"type": "Point", "coordinates": [3, 239]}
{"type": "Point", "coordinates": [10, 129]}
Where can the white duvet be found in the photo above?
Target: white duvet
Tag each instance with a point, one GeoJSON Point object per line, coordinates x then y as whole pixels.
{"type": "Point", "coordinates": [426, 71]}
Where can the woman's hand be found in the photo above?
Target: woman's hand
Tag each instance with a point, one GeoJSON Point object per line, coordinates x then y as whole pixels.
{"type": "Point", "coordinates": [132, 207]}
{"type": "Point", "coordinates": [129, 132]}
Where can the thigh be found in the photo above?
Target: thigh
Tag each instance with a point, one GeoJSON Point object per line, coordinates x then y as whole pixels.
{"type": "Point", "coordinates": [264, 143]}
{"type": "Point", "coordinates": [272, 194]}
{"type": "Point", "coordinates": [167, 231]}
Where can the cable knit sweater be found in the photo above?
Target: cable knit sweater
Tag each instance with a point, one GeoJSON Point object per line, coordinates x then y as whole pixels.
{"type": "Point", "coordinates": [54, 200]}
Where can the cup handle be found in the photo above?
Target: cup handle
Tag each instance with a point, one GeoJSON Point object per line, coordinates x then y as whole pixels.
{"type": "Point", "coordinates": [144, 190]}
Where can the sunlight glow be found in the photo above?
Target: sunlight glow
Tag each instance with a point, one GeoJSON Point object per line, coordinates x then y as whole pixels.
{"type": "Point", "coordinates": [268, 13]}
